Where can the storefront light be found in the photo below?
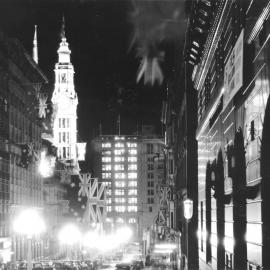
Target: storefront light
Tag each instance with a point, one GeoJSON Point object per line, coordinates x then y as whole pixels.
{"type": "Point", "coordinates": [188, 208]}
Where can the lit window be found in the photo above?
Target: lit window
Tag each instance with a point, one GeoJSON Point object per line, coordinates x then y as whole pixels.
{"type": "Point", "coordinates": [109, 208]}
{"type": "Point", "coordinates": [119, 145]}
{"type": "Point", "coordinates": [109, 192]}
{"type": "Point", "coordinates": [132, 151]}
{"type": "Point", "coordinates": [120, 183]}
{"type": "Point", "coordinates": [106, 159]}
{"type": "Point", "coordinates": [106, 167]}
{"type": "Point", "coordinates": [132, 183]}
{"type": "Point", "coordinates": [132, 200]}
{"type": "Point", "coordinates": [119, 167]}
{"type": "Point", "coordinates": [106, 145]}
{"type": "Point", "coordinates": [106, 153]}
{"type": "Point", "coordinates": [106, 175]}
{"type": "Point", "coordinates": [132, 159]}
{"type": "Point", "coordinates": [119, 159]}
{"type": "Point", "coordinates": [119, 138]}
{"type": "Point", "coordinates": [120, 208]}
{"type": "Point", "coordinates": [109, 200]}
{"type": "Point", "coordinates": [120, 200]}
{"type": "Point", "coordinates": [107, 184]}
{"type": "Point", "coordinates": [132, 192]}
{"type": "Point", "coordinates": [132, 167]}
{"type": "Point", "coordinates": [131, 144]}
{"type": "Point", "coordinates": [119, 192]}
{"type": "Point", "coordinates": [118, 152]}
{"type": "Point", "coordinates": [132, 175]}
{"type": "Point", "coordinates": [132, 220]}
{"type": "Point", "coordinates": [119, 175]}
{"type": "Point", "coordinates": [132, 208]}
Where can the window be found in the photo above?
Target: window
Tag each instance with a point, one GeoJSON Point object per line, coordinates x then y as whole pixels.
{"type": "Point", "coordinates": [106, 175]}
{"type": "Point", "coordinates": [106, 159]}
{"type": "Point", "coordinates": [109, 200]}
{"type": "Point", "coordinates": [150, 167]}
{"type": "Point", "coordinates": [119, 167]}
{"type": "Point", "coordinates": [119, 183]}
{"type": "Point", "coordinates": [150, 159]}
{"type": "Point", "coordinates": [119, 138]}
{"type": "Point", "coordinates": [132, 159]}
{"type": "Point", "coordinates": [132, 220]}
{"type": "Point", "coordinates": [132, 192]}
{"type": "Point", "coordinates": [150, 184]}
{"type": "Point", "coordinates": [132, 175]}
{"type": "Point", "coordinates": [132, 167]}
{"type": "Point", "coordinates": [132, 208]}
{"type": "Point", "coordinates": [105, 145]}
{"type": "Point", "coordinates": [132, 200]}
{"type": "Point", "coordinates": [109, 192]}
{"type": "Point", "coordinates": [150, 200]}
{"type": "Point", "coordinates": [109, 208]}
{"type": "Point", "coordinates": [59, 124]}
{"type": "Point", "coordinates": [107, 184]}
{"type": "Point", "coordinates": [149, 148]}
{"type": "Point", "coordinates": [119, 192]}
{"type": "Point", "coordinates": [132, 151]}
{"type": "Point", "coordinates": [106, 153]}
{"type": "Point", "coordinates": [63, 122]}
{"type": "Point", "coordinates": [150, 192]}
{"type": "Point", "coordinates": [118, 152]}
{"type": "Point", "coordinates": [119, 159]}
{"type": "Point", "coordinates": [150, 175]}
{"type": "Point", "coordinates": [150, 209]}
{"type": "Point", "coordinates": [120, 208]}
{"type": "Point", "coordinates": [119, 145]}
{"type": "Point", "coordinates": [106, 167]}
{"type": "Point", "coordinates": [132, 184]}
{"type": "Point", "coordinates": [120, 200]}
{"type": "Point", "coordinates": [67, 122]}
{"type": "Point", "coordinates": [119, 175]}
{"type": "Point", "coordinates": [131, 144]}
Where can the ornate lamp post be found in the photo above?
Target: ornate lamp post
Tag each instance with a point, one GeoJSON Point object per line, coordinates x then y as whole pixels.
{"type": "Point", "coordinates": [29, 223]}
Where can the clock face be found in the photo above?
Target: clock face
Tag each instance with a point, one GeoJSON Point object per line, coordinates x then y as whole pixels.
{"type": "Point", "coordinates": [63, 77]}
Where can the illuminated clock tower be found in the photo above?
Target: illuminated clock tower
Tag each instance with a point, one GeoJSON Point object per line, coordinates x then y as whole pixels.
{"type": "Point", "coordinates": [65, 103]}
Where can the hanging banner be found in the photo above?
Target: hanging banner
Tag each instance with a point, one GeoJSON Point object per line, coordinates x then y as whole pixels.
{"type": "Point", "coordinates": [233, 71]}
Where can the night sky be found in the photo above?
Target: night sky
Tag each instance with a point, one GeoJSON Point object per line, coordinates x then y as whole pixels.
{"type": "Point", "coordinates": [99, 35]}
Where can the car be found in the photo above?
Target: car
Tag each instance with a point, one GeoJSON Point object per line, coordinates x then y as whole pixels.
{"type": "Point", "coordinates": [123, 266]}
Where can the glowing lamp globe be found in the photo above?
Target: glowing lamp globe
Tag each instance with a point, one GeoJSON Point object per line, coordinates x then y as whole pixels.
{"type": "Point", "coordinates": [188, 208]}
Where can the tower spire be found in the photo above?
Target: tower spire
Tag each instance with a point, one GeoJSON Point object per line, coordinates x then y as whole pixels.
{"type": "Point", "coordinates": [63, 33]}
{"type": "Point", "coordinates": [35, 46]}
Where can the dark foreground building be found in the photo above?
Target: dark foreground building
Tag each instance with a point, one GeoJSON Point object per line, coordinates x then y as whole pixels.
{"type": "Point", "coordinates": [227, 54]}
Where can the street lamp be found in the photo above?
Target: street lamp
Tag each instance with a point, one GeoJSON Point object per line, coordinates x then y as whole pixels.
{"type": "Point", "coordinates": [188, 213]}
{"type": "Point", "coordinates": [69, 235]}
{"type": "Point", "coordinates": [29, 223]}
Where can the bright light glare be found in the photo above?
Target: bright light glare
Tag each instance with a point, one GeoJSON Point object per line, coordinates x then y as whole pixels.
{"type": "Point", "coordinates": [124, 234]}
{"type": "Point", "coordinates": [46, 165]}
{"type": "Point", "coordinates": [165, 246]}
{"type": "Point", "coordinates": [162, 251]}
{"type": "Point", "coordinates": [69, 234]}
{"type": "Point", "coordinates": [29, 222]}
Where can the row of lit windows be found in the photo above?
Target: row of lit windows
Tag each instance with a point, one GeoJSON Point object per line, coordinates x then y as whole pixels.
{"type": "Point", "coordinates": [131, 175]}
{"type": "Point", "coordinates": [122, 208]}
{"type": "Point", "coordinates": [119, 152]}
{"type": "Point", "coordinates": [119, 159]}
{"type": "Point", "coordinates": [121, 192]}
{"type": "Point", "coordinates": [123, 184]}
{"type": "Point", "coordinates": [132, 200]}
{"type": "Point", "coordinates": [118, 145]}
{"type": "Point", "coordinates": [119, 167]}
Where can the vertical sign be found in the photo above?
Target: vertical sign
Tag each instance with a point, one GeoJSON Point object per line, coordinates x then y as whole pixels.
{"type": "Point", "coordinates": [233, 71]}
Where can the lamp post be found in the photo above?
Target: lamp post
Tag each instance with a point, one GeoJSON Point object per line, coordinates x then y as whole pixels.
{"type": "Point", "coordinates": [29, 223]}
{"type": "Point", "coordinates": [188, 213]}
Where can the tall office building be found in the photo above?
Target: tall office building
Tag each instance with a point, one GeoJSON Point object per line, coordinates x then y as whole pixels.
{"type": "Point", "coordinates": [126, 164]}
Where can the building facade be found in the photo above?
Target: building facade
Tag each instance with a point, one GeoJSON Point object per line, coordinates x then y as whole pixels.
{"type": "Point", "coordinates": [126, 164]}
{"type": "Point", "coordinates": [21, 138]}
{"type": "Point", "coordinates": [229, 61]}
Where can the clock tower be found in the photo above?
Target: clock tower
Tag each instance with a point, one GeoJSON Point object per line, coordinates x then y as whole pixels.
{"type": "Point", "coordinates": [65, 101]}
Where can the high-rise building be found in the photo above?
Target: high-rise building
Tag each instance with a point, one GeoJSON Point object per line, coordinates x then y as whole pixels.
{"type": "Point", "coordinates": [126, 164]}
{"type": "Point", "coordinates": [65, 103]}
